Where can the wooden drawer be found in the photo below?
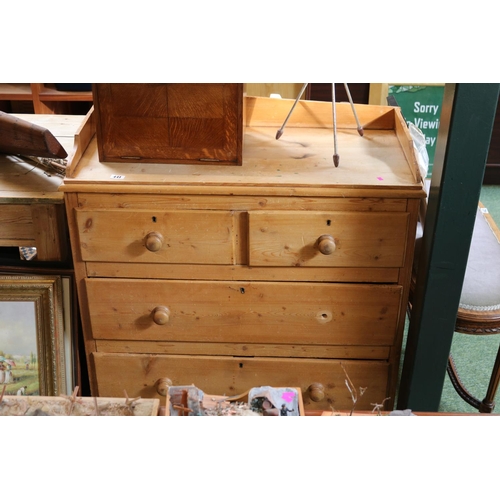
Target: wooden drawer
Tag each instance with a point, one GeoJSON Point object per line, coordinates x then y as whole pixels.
{"type": "Point", "coordinates": [155, 236]}
{"type": "Point", "coordinates": [138, 373]}
{"type": "Point", "coordinates": [347, 239]}
{"type": "Point", "coordinates": [234, 311]}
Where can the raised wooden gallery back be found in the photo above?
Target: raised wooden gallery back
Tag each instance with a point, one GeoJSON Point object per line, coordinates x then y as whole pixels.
{"type": "Point", "coordinates": [169, 122]}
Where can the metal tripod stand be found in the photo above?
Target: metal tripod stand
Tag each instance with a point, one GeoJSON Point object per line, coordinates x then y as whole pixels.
{"type": "Point", "coordinates": [336, 157]}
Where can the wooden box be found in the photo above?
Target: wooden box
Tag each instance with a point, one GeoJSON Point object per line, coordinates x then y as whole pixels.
{"type": "Point", "coordinates": [169, 122]}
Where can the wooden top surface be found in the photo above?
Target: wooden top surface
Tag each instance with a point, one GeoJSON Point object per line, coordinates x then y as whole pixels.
{"type": "Point", "coordinates": [381, 163]}
{"type": "Point", "coordinates": [20, 180]}
{"type": "Point", "coordinates": [300, 162]}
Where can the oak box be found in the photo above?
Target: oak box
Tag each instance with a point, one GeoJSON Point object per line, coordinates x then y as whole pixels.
{"type": "Point", "coordinates": [169, 122]}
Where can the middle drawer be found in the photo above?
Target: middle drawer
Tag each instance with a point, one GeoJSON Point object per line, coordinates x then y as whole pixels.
{"type": "Point", "coordinates": [252, 312]}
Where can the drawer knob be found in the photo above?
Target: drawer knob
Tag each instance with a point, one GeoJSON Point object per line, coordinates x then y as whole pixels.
{"type": "Point", "coordinates": [154, 241]}
{"type": "Point", "coordinates": [316, 392]}
{"type": "Point", "coordinates": [161, 315]}
{"type": "Point", "coordinates": [326, 244]}
{"type": "Point", "coordinates": [162, 385]}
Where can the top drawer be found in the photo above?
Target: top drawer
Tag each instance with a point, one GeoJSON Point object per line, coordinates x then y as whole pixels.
{"type": "Point", "coordinates": [327, 239]}
{"type": "Point", "coordinates": [276, 238]}
{"type": "Point", "coordinates": [181, 236]}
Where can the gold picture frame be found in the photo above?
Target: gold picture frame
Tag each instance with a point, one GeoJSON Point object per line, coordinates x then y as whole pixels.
{"type": "Point", "coordinates": [32, 348]}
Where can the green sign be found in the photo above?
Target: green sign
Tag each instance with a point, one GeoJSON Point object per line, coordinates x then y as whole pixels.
{"type": "Point", "coordinates": [421, 105]}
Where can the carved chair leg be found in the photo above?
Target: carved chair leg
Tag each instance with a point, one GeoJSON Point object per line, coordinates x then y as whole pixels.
{"type": "Point", "coordinates": [488, 403]}
{"type": "Point", "coordinates": [458, 385]}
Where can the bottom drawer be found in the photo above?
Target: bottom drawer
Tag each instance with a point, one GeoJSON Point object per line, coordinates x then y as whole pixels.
{"type": "Point", "coordinates": [137, 374]}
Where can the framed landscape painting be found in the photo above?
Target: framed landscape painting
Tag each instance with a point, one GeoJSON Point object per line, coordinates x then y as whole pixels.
{"type": "Point", "coordinates": [32, 348]}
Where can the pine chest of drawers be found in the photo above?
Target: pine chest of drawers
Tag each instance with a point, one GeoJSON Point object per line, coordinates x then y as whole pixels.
{"type": "Point", "coordinates": [282, 271]}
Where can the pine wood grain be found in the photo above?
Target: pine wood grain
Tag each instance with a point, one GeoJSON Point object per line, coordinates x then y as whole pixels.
{"type": "Point", "coordinates": [288, 238]}
{"type": "Point", "coordinates": [243, 272]}
{"type": "Point", "coordinates": [141, 201]}
{"type": "Point", "coordinates": [256, 312]}
{"type": "Point", "coordinates": [232, 376]}
{"type": "Point", "coordinates": [237, 307]}
{"type": "Point", "coordinates": [195, 236]}
{"type": "Point", "coordinates": [238, 349]}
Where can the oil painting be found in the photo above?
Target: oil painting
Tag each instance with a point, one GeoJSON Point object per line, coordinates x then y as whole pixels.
{"type": "Point", "coordinates": [32, 351]}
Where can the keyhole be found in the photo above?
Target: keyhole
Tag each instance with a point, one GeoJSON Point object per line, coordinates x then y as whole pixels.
{"type": "Point", "coordinates": [242, 290]}
{"type": "Point", "coordinates": [153, 218]}
{"type": "Point", "coordinates": [328, 222]}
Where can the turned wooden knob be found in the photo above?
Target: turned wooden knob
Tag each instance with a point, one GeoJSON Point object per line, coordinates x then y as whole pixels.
{"type": "Point", "coordinates": [162, 385]}
{"type": "Point", "coordinates": [161, 315]}
{"type": "Point", "coordinates": [326, 244]}
{"type": "Point", "coordinates": [316, 392]}
{"type": "Point", "coordinates": [154, 241]}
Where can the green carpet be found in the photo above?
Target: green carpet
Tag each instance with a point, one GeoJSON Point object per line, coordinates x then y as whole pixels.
{"type": "Point", "coordinates": [474, 355]}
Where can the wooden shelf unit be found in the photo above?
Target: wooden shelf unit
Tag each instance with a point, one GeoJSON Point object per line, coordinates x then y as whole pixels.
{"type": "Point", "coordinates": [44, 97]}
{"type": "Point", "coordinates": [32, 211]}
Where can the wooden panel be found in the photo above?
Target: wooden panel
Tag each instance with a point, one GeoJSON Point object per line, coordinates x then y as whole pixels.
{"type": "Point", "coordinates": [43, 98]}
{"type": "Point", "coordinates": [361, 239]}
{"type": "Point", "coordinates": [51, 235]}
{"type": "Point", "coordinates": [257, 312]}
{"type": "Point", "coordinates": [190, 236]}
{"type": "Point", "coordinates": [169, 122]}
{"type": "Point", "coordinates": [243, 272]}
{"type": "Point", "coordinates": [137, 374]}
{"type": "Point", "coordinates": [224, 202]}
{"type": "Point", "coordinates": [235, 349]}
{"type": "Point", "coordinates": [262, 111]}
{"type": "Point", "coordinates": [16, 223]}
{"type": "Point", "coordinates": [360, 92]}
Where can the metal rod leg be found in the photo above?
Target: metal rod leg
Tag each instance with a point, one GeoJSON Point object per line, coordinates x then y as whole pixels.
{"type": "Point", "coordinates": [360, 128]}
{"type": "Point", "coordinates": [336, 157]}
{"type": "Point", "coordinates": [282, 129]}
